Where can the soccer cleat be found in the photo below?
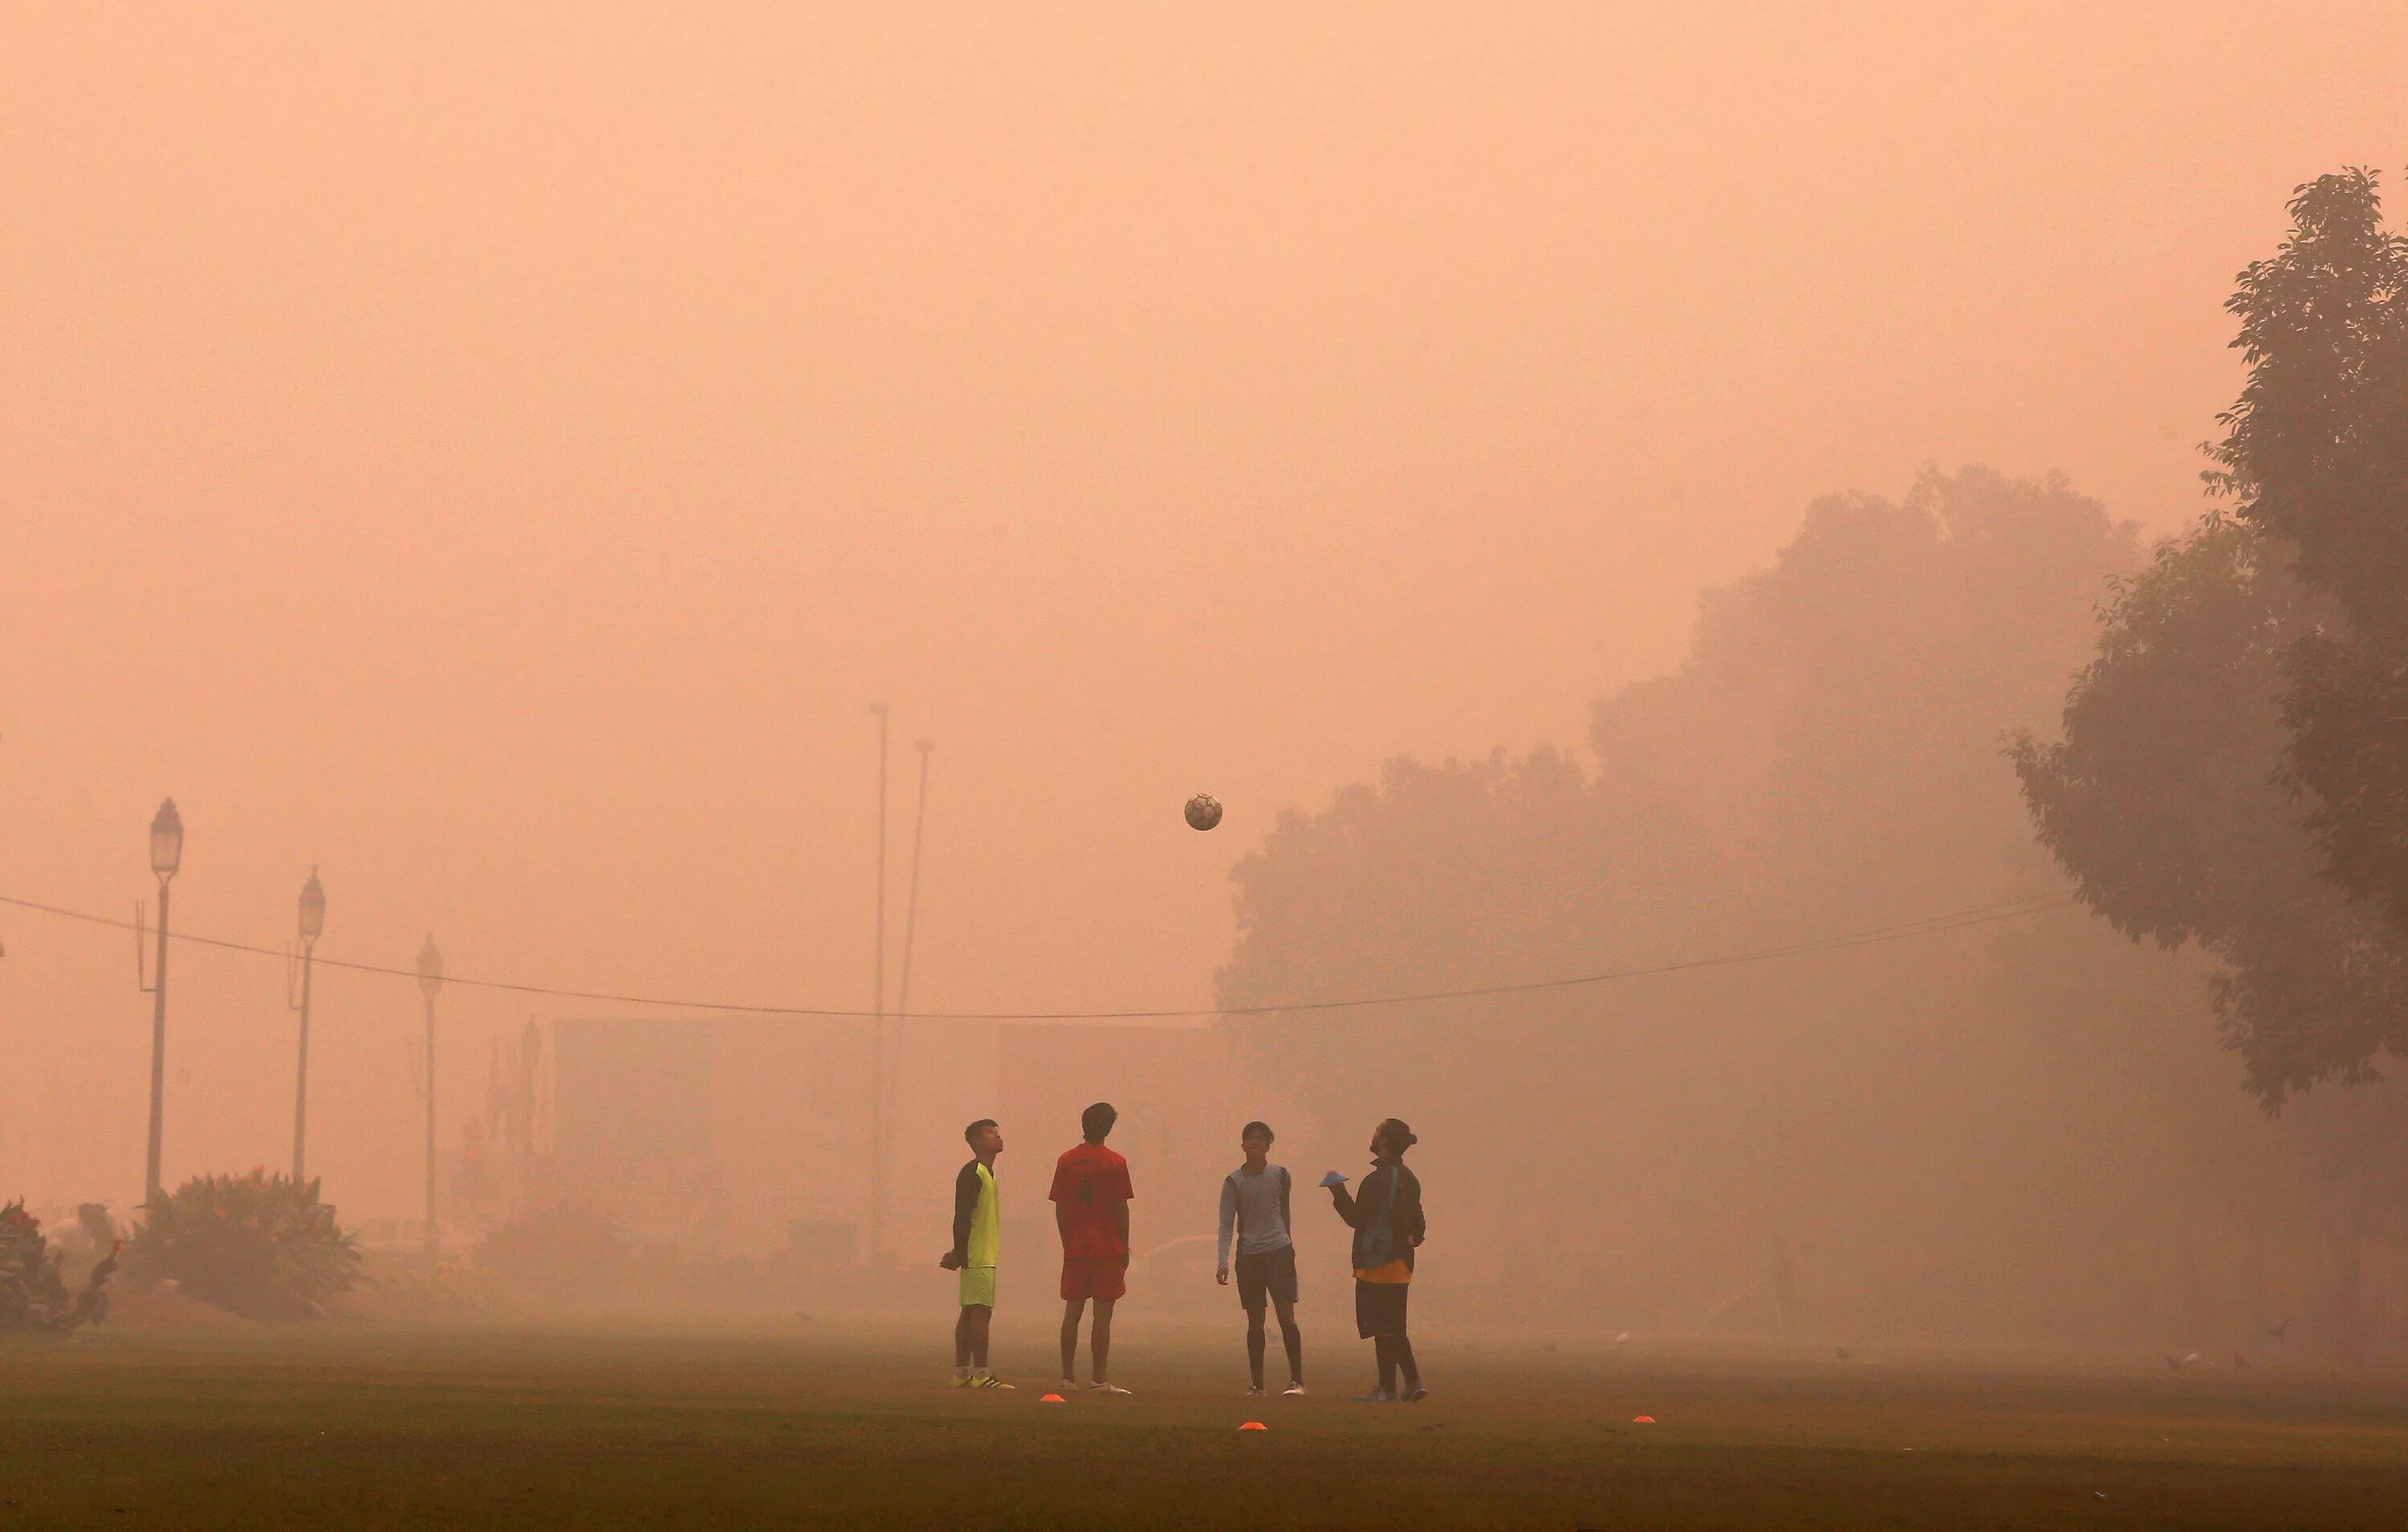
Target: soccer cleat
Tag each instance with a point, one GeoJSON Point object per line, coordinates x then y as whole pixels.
{"type": "Point", "coordinates": [988, 1380]}
{"type": "Point", "coordinates": [1416, 1394]}
{"type": "Point", "coordinates": [961, 1379]}
{"type": "Point", "coordinates": [1293, 1391]}
{"type": "Point", "coordinates": [1108, 1388]}
{"type": "Point", "coordinates": [1377, 1395]}
{"type": "Point", "coordinates": [1255, 1391]}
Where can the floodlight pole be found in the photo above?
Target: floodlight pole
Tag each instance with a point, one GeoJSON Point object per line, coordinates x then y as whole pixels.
{"type": "Point", "coordinates": [911, 896]}
{"type": "Point", "coordinates": [877, 1232]}
{"type": "Point", "coordinates": [430, 979]}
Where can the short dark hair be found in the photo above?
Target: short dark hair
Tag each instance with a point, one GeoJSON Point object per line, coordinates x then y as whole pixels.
{"type": "Point", "coordinates": [1392, 1132]}
{"type": "Point", "coordinates": [969, 1134]}
{"type": "Point", "coordinates": [1258, 1126]}
{"type": "Point", "coordinates": [1097, 1122]}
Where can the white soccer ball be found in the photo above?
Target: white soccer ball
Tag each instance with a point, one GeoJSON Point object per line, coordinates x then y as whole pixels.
{"type": "Point", "coordinates": [1203, 811]}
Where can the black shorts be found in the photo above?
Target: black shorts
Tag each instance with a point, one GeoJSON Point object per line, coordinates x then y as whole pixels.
{"type": "Point", "coordinates": [1379, 1309]}
{"type": "Point", "coordinates": [1270, 1275]}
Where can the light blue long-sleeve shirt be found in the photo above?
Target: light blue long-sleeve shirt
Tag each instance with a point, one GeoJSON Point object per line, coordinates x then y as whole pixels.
{"type": "Point", "coordinates": [1256, 1208]}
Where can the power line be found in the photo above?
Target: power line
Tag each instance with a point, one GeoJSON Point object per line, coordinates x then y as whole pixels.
{"type": "Point", "coordinates": [1929, 925]}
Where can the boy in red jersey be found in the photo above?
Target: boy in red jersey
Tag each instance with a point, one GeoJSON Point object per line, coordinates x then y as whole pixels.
{"type": "Point", "coordinates": [1091, 1196]}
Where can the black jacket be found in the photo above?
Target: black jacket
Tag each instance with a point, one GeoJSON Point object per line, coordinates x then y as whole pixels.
{"type": "Point", "coordinates": [1386, 1216]}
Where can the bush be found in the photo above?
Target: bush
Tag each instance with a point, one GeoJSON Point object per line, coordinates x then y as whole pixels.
{"type": "Point", "coordinates": [256, 1245]}
{"type": "Point", "coordinates": [32, 1293]}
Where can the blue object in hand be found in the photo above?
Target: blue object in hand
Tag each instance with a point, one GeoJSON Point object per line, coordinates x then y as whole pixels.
{"type": "Point", "coordinates": [1333, 1179]}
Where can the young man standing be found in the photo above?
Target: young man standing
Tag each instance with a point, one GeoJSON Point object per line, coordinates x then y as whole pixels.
{"type": "Point", "coordinates": [1388, 1227]}
{"type": "Point", "coordinates": [978, 1238]}
{"type": "Point", "coordinates": [1254, 1205]}
{"type": "Point", "coordinates": [1091, 1196]}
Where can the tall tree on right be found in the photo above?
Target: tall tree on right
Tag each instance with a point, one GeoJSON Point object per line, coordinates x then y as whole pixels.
{"type": "Point", "coordinates": [2316, 458]}
{"type": "Point", "coordinates": [2239, 745]}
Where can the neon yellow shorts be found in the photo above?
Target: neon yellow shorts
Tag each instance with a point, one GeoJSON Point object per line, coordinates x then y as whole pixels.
{"type": "Point", "coordinates": [978, 1286]}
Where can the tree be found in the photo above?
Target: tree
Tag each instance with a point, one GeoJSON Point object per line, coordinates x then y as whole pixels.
{"type": "Point", "coordinates": [2316, 456]}
{"type": "Point", "coordinates": [2164, 801]}
{"type": "Point", "coordinates": [2235, 769]}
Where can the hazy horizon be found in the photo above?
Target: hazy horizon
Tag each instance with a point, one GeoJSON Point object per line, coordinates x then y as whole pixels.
{"type": "Point", "coordinates": [495, 457]}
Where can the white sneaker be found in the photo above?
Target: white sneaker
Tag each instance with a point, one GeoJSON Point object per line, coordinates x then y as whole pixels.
{"type": "Point", "coordinates": [1255, 1391]}
{"type": "Point", "coordinates": [1107, 1388]}
{"type": "Point", "coordinates": [1293, 1391]}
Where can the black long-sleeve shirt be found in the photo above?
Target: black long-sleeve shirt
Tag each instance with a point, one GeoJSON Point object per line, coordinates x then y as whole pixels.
{"type": "Point", "coordinates": [1389, 1205]}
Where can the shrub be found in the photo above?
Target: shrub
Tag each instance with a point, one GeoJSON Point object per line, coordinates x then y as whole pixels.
{"type": "Point", "coordinates": [32, 1293]}
{"type": "Point", "coordinates": [256, 1245]}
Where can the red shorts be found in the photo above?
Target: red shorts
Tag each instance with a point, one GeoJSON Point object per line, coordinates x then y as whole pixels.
{"type": "Point", "coordinates": [1101, 1277]}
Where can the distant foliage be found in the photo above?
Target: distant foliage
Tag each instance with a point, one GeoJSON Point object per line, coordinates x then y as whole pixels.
{"type": "Point", "coordinates": [1824, 761]}
{"type": "Point", "coordinates": [563, 1253]}
{"type": "Point", "coordinates": [256, 1245]}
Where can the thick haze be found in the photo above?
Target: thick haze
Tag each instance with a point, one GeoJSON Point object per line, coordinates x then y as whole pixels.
{"type": "Point", "coordinates": [495, 454]}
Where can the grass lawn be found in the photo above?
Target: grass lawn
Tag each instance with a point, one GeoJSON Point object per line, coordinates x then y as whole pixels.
{"type": "Point", "coordinates": [379, 1425]}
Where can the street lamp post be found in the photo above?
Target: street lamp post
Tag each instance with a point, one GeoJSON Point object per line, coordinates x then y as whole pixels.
{"type": "Point", "coordinates": [167, 856]}
{"type": "Point", "coordinates": [313, 924]}
{"type": "Point", "coordinates": [430, 979]}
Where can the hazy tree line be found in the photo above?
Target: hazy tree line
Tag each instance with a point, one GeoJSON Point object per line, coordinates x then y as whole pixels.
{"type": "Point", "coordinates": [2166, 1125]}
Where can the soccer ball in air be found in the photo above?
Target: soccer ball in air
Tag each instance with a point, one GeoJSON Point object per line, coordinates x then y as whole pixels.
{"type": "Point", "coordinates": [1203, 811]}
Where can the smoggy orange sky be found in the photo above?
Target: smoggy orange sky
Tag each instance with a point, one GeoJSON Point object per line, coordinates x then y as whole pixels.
{"type": "Point", "coordinates": [495, 452]}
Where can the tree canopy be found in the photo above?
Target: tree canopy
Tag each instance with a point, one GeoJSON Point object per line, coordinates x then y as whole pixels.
{"type": "Point", "coordinates": [2316, 456]}
{"type": "Point", "coordinates": [2165, 803]}
{"type": "Point", "coordinates": [2234, 765]}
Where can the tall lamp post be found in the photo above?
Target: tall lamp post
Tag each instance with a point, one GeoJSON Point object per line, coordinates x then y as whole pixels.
{"type": "Point", "coordinates": [313, 924]}
{"type": "Point", "coordinates": [877, 1022]}
{"type": "Point", "coordinates": [430, 979]}
{"type": "Point", "coordinates": [167, 856]}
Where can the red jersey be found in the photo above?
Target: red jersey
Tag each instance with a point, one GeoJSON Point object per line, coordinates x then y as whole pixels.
{"type": "Point", "coordinates": [1092, 1184]}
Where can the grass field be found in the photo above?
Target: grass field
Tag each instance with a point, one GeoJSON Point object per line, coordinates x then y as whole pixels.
{"type": "Point", "coordinates": [377, 1424]}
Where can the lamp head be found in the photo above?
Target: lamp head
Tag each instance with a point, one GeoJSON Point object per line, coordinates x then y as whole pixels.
{"type": "Point", "coordinates": [313, 909]}
{"type": "Point", "coordinates": [166, 840]}
{"type": "Point", "coordinates": [430, 968]}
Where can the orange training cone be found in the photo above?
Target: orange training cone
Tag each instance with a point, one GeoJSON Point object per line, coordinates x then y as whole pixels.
{"type": "Point", "coordinates": [1253, 1425]}
{"type": "Point", "coordinates": [1643, 1420]}
{"type": "Point", "coordinates": [1051, 1399]}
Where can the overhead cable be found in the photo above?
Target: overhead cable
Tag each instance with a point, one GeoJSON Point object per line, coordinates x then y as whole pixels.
{"type": "Point", "coordinates": [1929, 925]}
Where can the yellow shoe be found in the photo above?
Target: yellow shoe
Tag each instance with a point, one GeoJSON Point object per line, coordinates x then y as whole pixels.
{"type": "Point", "coordinates": [987, 1380]}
